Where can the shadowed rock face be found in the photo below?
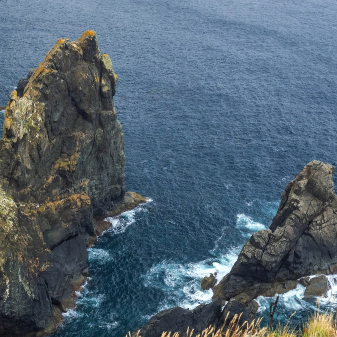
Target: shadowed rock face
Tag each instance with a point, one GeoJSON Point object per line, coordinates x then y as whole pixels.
{"type": "Point", "coordinates": [300, 241]}
{"type": "Point", "coordinates": [179, 320]}
{"type": "Point", "coordinates": [64, 131]}
{"type": "Point", "coordinates": [61, 163]}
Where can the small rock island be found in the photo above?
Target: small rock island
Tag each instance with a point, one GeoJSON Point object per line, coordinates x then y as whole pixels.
{"type": "Point", "coordinates": [61, 173]}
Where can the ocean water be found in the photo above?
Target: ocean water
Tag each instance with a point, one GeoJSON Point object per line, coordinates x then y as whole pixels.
{"type": "Point", "coordinates": [222, 103]}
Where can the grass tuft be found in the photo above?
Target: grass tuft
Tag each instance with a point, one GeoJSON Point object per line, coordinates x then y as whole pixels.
{"type": "Point", "coordinates": [318, 325]}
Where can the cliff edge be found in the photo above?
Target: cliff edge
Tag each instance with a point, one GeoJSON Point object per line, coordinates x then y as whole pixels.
{"type": "Point", "coordinates": [61, 165]}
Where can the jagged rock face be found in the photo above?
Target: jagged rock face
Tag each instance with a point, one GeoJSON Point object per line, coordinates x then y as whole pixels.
{"type": "Point", "coordinates": [61, 163]}
{"type": "Point", "coordinates": [178, 320]}
{"type": "Point", "coordinates": [63, 130]}
{"type": "Point", "coordinates": [302, 239]}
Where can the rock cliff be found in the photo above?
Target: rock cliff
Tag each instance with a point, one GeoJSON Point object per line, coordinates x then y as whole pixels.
{"type": "Point", "coordinates": [61, 165]}
{"type": "Point", "coordinates": [301, 241]}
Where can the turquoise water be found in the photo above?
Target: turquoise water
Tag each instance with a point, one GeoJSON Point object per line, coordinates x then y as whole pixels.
{"type": "Point", "coordinates": [222, 103]}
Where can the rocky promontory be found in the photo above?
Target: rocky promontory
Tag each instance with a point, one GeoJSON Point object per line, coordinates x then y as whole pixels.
{"type": "Point", "coordinates": [61, 172]}
{"type": "Point", "coordinates": [301, 241]}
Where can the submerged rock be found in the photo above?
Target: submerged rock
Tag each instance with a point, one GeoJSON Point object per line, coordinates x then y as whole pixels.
{"type": "Point", "coordinates": [301, 240]}
{"type": "Point", "coordinates": [61, 165]}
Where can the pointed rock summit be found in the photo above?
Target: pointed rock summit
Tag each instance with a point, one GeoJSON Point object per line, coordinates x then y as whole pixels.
{"type": "Point", "coordinates": [301, 241]}
{"type": "Point", "coordinates": [61, 165]}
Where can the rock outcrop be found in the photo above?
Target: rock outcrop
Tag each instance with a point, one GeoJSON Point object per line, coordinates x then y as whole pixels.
{"type": "Point", "coordinates": [179, 320]}
{"type": "Point", "coordinates": [301, 241]}
{"type": "Point", "coordinates": [61, 165]}
{"type": "Point", "coordinates": [208, 282]}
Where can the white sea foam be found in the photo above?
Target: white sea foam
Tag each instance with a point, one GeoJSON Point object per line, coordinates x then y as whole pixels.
{"type": "Point", "coordinates": [121, 222]}
{"type": "Point", "coordinates": [72, 314]}
{"type": "Point", "coordinates": [181, 283]}
{"type": "Point", "coordinates": [244, 221]}
{"type": "Point", "coordinates": [108, 325]}
{"type": "Point", "coordinates": [99, 255]}
{"type": "Point", "coordinates": [293, 300]}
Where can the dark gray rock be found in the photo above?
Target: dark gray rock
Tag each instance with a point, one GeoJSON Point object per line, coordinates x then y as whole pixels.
{"type": "Point", "coordinates": [304, 281]}
{"type": "Point", "coordinates": [317, 287]}
{"type": "Point", "coordinates": [61, 163]}
{"type": "Point", "coordinates": [301, 240]}
{"type": "Point", "coordinates": [246, 312]}
{"type": "Point", "coordinates": [178, 320]}
{"type": "Point", "coordinates": [23, 83]}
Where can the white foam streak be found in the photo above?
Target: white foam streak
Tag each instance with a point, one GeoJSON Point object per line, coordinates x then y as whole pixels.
{"type": "Point", "coordinates": [244, 221]}
{"type": "Point", "coordinates": [121, 222]}
{"type": "Point", "coordinates": [181, 283]}
{"type": "Point", "coordinates": [293, 299]}
{"type": "Point", "coordinates": [99, 255]}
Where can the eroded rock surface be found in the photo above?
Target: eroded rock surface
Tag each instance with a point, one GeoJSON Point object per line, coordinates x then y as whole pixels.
{"type": "Point", "coordinates": [208, 282]}
{"type": "Point", "coordinates": [179, 320]}
{"type": "Point", "coordinates": [318, 286]}
{"type": "Point", "coordinates": [301, 240]}
{"type": "Point", "coordinates": [61, 164]}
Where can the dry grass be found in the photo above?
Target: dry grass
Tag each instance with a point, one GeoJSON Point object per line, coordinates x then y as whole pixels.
{"type": "Point", "coordinates": [318, 325]}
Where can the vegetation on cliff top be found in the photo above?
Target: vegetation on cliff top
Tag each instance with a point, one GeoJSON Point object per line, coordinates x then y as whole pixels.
{"type": "Point", "coordinates": [320, 324]}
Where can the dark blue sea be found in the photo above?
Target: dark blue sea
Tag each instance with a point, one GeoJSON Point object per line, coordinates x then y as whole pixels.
{"type": "Point", "coordinates": [222, 103]}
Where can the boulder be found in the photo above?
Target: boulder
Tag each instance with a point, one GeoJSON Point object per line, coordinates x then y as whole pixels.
{"type": "Point", "coordinates": [208, 282]}
{"type": "Point", "coordinates": [317, 287]}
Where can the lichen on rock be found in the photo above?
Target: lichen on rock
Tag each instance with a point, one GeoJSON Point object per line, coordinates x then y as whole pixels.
{"type": "Point", "coordinates": [61, 164]}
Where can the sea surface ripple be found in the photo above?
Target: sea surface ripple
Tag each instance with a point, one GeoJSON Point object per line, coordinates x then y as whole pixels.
{"type": "Point", "coordinates": [222, 103]}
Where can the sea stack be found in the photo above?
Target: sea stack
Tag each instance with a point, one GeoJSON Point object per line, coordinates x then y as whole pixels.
{"type": "Point", "coordinates": [301, 240]}
{"type": "Point", "coordinates": [61, 165]}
